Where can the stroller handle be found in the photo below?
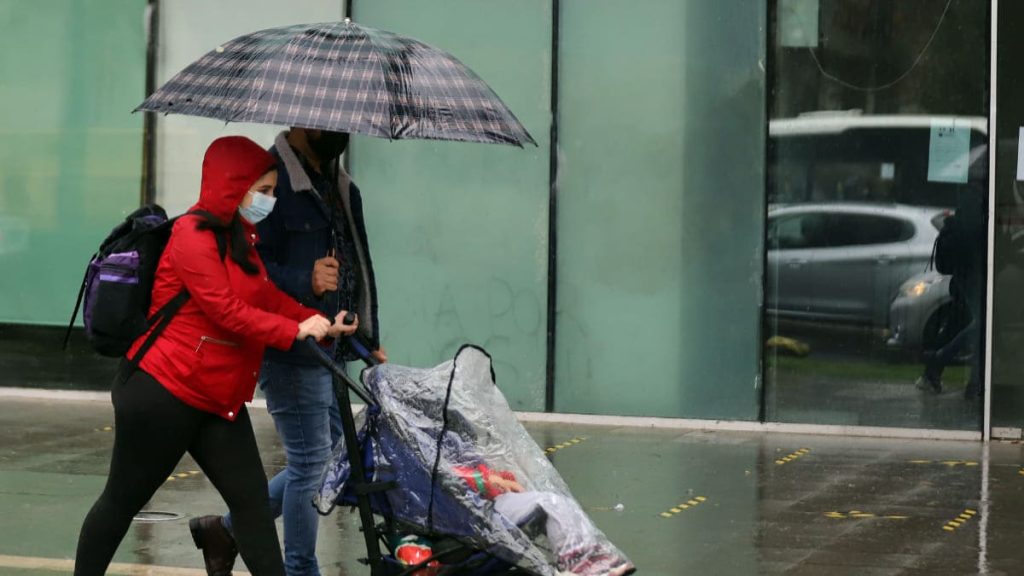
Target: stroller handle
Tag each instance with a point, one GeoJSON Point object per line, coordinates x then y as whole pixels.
{"type": "Point", "coordinates": [325, 359]}
{"type": "Point", "coordinates": [358, 344]}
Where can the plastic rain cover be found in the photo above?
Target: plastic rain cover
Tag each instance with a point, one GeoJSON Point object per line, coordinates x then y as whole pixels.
{"type": "Point", "coordinates": [541, 529]}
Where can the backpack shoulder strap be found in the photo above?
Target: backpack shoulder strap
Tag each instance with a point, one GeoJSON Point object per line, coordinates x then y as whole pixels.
{"type": "Point", "coordinates": [162, 317]}
{"type": "Point", "coordinates": [159, 321]}
{"type": "Point", "coordinates": [78, 304]}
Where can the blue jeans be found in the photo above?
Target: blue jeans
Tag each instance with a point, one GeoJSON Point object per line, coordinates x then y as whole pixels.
{"type": "Point", "coordinates": [305, 410]}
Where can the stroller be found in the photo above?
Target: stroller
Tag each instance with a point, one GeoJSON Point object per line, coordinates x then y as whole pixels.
{"type": "Point", "coordinates": [439, 455]}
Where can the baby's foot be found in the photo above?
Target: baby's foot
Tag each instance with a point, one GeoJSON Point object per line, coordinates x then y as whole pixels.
{"type": "Point", "coordinates": [600, 563]}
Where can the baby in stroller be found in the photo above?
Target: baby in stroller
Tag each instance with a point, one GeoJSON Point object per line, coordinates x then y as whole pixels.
{"type": "Point", "coordinates": [576, 551]}
{"type": "Point", "coordinates": [466, 470]}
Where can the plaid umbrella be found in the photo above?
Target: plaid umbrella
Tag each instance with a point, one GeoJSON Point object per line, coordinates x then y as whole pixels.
{"type": "Point", "coordinates": [342, 77]}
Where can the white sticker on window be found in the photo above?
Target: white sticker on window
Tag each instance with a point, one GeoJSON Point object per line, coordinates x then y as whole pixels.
{"type": "Point", "coordinates": [1020, 154]}
{"type": "Point", "coordinates": [798, 23]}
{"type": "Point", "coordinates": [888, 171]}
{"type": "Point", "coordinates": [949, 150]}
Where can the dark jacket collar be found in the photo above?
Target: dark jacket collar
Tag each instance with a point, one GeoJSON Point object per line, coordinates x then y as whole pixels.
{"type": "Point", "coordinates": [297, 175]}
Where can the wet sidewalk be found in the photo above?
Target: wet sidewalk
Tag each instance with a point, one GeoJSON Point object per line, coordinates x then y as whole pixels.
{"type": "Point", "coordinates": [693, 502]}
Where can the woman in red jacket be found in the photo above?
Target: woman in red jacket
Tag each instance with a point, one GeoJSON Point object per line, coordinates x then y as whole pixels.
{"type": "Point", "coordinates": [189, 391]}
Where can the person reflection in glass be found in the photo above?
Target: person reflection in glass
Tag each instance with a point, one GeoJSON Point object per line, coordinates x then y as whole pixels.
{"type": "Point", "coordinates": [960, 252]}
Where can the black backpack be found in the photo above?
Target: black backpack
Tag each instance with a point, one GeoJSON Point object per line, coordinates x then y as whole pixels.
{"type": "Point", "coordinates": [956, 246]}
{"type": "Point", "coordinates": [118, 285]}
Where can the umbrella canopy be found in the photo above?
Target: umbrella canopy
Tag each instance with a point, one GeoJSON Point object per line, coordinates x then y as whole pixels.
{"type": "Point", "coordinates": [342, 77]}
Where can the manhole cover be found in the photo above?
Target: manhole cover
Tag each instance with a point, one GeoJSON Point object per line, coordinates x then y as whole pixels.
{"type": "Point", "coordinates": [150, 516]}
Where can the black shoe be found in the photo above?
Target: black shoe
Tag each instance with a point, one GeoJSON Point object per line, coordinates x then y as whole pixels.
{"type": "Point", "coordinates": [217, 544]}
{"type": "Point", "coordinates": [928, 385]}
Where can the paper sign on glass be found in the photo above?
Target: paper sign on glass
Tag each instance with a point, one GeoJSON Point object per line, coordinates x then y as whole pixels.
{"type": "Point", "coordinates": [1020, 154]}
{"type": "Point", "coordinates": [798, 23]}
{"type": "Point", "coordinates": [949, 151]}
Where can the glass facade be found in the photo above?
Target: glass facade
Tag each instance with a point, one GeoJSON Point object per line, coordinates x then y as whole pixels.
{"type": "Point", "coordinates": [70, 149]}
{"type": "Point", "coordinates": [458, 232]}
{"type": "Point", "coordinates": [1008, 257]}
{"type": "Point", "coordinates": [660, 218]}
{"type": "Point", "coordinates": [878, 139]}
{"type": "Point", "coordinates": [750, 196]}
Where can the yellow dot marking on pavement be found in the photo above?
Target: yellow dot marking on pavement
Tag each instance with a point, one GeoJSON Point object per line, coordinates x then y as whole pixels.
{"type": "Point", "coordinates": [183, 475]}
{"type": "Point", "coordinates": [791, 457]}
{"type": "Point", "coordinates": [858, 515]}
{"type": "Point", "coordinates": [682, 507]}
{"type": "Point", "coordinates": [564, 445]}
{"type": "Point", "coordinates": [104, 429]}
{"type": "Point", "coordinates": [960, 520]}
{"type": "Point", "coordinates": [950, 463]}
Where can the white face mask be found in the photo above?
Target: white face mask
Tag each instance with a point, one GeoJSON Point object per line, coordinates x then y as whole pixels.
{"type": "Point", "coordinates": [261, 207]}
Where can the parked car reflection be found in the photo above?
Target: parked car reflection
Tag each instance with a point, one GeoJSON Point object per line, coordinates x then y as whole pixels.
{"type": "Point", "coordinates": [923, 315]}
{"type": "Point", "coordinates": [846, 262]}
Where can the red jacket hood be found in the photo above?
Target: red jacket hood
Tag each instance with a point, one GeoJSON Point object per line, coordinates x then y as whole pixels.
{"type": "Point", "coordinates": [231, 165]}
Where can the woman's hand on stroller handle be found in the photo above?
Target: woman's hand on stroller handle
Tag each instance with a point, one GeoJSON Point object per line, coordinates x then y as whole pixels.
{"type": "Point", "coordinates": [345, 324]}
{"type": "Point", "coordinates": [316, 327]}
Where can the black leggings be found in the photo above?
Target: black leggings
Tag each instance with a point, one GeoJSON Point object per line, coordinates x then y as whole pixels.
{"type": "Point", "coordinates": [152, 431]}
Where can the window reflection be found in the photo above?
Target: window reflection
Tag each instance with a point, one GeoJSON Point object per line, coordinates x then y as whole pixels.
{"type": "Point", "coordinates": [866, 166]}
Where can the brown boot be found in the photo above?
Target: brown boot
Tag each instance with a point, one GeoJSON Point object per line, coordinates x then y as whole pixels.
{"type": "Point", "coordinates": [219, 550]}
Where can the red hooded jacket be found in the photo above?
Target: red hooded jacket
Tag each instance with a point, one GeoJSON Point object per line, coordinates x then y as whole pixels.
{"type": "Point", "coordinates": [210, 353]}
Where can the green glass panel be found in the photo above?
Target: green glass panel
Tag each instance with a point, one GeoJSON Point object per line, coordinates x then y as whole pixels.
{"type": "Point", "coordinates": [458, 232]}
{"type": "Point", "coordinates": [70, 149]}
{"type": "Point", "coordinates": [660, 208]}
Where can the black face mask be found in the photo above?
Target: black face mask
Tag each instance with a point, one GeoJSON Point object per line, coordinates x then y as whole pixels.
{"type": "Point", "coordinates": [329, 145]}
